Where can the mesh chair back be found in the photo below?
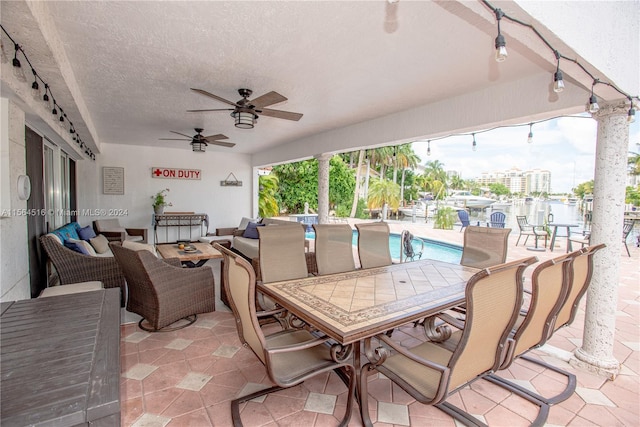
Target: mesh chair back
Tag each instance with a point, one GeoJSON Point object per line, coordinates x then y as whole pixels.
{"type": "Point", "coordinates": [484, 246]}
{"type": "Point", "coordinates": [579, 282]}
{"type": "Point", "coordinates": [497, 219]}
{"type": "Point", "coordinates": [493, 299]}
{"type": "Point", "coordinates": [282, 252]}
{"type": "Point", "coordinates": [373, 244]}
{"type": "Point", "coordinates": [240, 285]}
{"type": "Point", "coordinates": [334, 248]}
{"type": "Point", "coordinates": [549, 286]}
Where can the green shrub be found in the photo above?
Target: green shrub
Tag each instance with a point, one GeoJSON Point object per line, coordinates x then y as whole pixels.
{"type": "Point", "coordinates": [445, 218]}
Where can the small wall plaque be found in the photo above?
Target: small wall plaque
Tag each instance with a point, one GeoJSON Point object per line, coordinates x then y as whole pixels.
{"type": "Point", "coordinates": [112, 180]}
{"type": "Point", "coordinates": [228, 182]}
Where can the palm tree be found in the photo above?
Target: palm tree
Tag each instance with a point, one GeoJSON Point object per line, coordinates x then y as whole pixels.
{"type": "Point", "coordinates": [634, 163]}
{"type": "Point", "coordinates": [406, 158]}
{"type": "Point", "coordinates": [267, 203]}
{"type": "Point", "coordinates": [457, 183]}
{"type": "Point", "coordinates": [383, 192]}
{"type": "Point", "coordinates": [356, 193]}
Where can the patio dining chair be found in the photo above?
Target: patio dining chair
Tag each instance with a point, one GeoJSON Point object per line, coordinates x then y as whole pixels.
{"type": "Point", "coordinates": [290, 356]}
{"type": "Point", "coordinates": [430, 372]}
{"type": "Point", "coordinates": [579, 278]}
{"type": "Point", "coordinates": [281, 253]}
{"type": "Point", "coordinates": [484, 246]}
{"type": "Point", "coordinates": [584, 239]}
{"type": "Point", "coordinates": [497, 220]}
{"type": "Point", "coordinates": [373, 244]}
{"type": "Point", "coordinates": [526, 229]}
{"type": "Point", "coordinates": [334, 248]}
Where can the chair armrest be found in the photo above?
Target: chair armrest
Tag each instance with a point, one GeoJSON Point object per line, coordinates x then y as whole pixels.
{"type": "Point", "coordinates": [238, 232]}
{"type": "Point", "coordinates": [406, 353]}
{"type": "Point", "coordinates": [298, 346]}
{"type": "Point", "coordinates": [173, 261]}
{"type": "Point", "coordinates": [458, 323]}
{"type": "Point", "coordinates": [115, 236]}
{"type": "Point", "coordinates": [142, 232]}
{"type": "Point", "coordinates": [225, 231]}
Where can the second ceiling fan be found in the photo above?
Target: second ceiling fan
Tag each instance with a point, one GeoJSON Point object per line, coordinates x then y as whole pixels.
{"type": "Point", "coordinates": [246, 111]}
{"type": "Point", "coordinates": [199, 142]}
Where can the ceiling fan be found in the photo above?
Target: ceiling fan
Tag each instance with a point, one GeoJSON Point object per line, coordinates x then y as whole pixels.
{"type": "Point", "coordinates": [246, 111]}
{"type": "Point", "coordinates": [199, 142]}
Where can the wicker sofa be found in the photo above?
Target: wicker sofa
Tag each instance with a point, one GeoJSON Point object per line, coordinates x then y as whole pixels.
{"type": "Point", "coordinates": [73, 267]}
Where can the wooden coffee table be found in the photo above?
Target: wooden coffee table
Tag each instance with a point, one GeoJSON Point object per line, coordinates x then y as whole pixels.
{"type": "Point", "coordinates": [204, 252]}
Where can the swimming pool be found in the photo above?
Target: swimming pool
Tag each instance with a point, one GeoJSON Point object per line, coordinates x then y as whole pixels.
{"type": "Point", "coordinates": [433, 249]}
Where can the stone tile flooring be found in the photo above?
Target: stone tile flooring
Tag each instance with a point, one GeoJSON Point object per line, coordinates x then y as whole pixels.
{"type": "Point", "coordinates": [188, 377]}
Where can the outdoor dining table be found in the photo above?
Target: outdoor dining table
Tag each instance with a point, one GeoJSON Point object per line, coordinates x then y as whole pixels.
{"type": "Point", "coordinates": [352, 306]}
{"type": "Point", "coordinates": [555, 232]}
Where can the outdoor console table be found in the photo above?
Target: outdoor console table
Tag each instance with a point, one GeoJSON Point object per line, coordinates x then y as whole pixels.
{"type": "Point", "coordinates": [180, 220]}
{"type": "Point", "coordinates": [359, 304]}
{"type": "Point", "coordinates": [61, 360]}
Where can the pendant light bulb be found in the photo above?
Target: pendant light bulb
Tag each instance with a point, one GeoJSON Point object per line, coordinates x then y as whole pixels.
{"type": "Point", "coordinates": [428, 148]}
{"type": "Point", "coordinates": [35, 87]}
{"type": "Point", "coordinates": [558, 82]}
{"type": "Point", "coordinates": [530, 137]}
{"type": "Point", "coordinates": [18, 72]}
{"type": "Point", "coordinates": [631, 116]}
{"type": "Point", "coordinates": [501, 43]}
{"type": "Point", "coordinates": [474, 146]}
{"type": "Point", "coordinates": [593, 104]}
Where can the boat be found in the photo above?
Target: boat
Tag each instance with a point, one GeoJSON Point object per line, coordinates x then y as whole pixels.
{"type": "Point", "coordinates": [468, 200]}
{"type": "Point", "coordinates": [422, 210]}
{"type": "Point", "coordinates": [571, 201]}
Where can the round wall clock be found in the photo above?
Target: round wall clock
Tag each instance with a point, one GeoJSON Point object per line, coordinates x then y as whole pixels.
{"type": "Point", "coordinates": [24, 187]}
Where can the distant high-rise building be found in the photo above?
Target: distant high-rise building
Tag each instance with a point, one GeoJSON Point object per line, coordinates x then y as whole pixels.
{"type": "Point", "coordinates": [518, 181]}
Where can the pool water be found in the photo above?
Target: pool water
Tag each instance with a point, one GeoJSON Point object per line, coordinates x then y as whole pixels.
{"type": "Point", "coordinates": [433, 249]}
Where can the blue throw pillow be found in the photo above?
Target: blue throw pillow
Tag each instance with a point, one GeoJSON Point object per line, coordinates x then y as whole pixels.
{"type": "Point", "coordinates": [69, 231]}
{"type": "Point", "coordinates": [86, 233]}
{"type": "Point", "coordinates": [251, 232]}
{"type": "Point", "coordinates": [75, 247]}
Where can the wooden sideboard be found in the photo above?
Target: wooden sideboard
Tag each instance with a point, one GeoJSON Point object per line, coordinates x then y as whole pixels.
{"type": "Point", "coordinates": [61, 360]}
{"type": "Point", "coordinates": [182, 223]}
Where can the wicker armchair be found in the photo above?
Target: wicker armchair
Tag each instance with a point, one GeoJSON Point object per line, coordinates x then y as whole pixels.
{"type": "Point", "coordinates": [74, 267]}
{"type": "Point", "coordinates": [163, 292]}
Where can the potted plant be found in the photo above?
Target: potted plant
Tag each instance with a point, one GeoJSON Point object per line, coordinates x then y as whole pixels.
{"type": "Point", "coordinates": [160, 201]}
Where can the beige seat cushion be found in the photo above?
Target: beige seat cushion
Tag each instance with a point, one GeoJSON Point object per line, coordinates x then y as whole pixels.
{"type": "Point", "coordinates": [73, 288]}
{"type": "Point", "coordinates": [136, 246]}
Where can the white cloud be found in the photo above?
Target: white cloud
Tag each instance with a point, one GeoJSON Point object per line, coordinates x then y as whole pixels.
{"type": "Point", "coordinates": [565, 146]}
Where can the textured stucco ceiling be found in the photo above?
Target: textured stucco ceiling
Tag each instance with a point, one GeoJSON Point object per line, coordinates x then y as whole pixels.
{"type": "Point", "coordinates": [339, 63]}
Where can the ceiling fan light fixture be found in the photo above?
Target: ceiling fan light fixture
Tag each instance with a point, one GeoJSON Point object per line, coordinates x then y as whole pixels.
{"type": "Point", "coordinates": [244, 119]}
{"type": "Point", "coordinates": [198, 146]}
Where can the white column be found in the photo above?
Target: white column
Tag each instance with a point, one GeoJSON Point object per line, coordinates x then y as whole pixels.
{"type": "Point", "coordinates": [323, 187]}
{"type": "Point", "coordinates": [596, 353]}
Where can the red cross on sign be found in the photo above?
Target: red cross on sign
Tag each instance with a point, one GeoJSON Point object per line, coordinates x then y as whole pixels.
{"type": "Point", "coordinates": [175, 173]}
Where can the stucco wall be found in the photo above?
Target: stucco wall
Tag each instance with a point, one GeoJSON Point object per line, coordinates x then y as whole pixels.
{"type": "Point", "coordinates": [224, 205]}
{"type": "Point", "coordinates": [14, 271]}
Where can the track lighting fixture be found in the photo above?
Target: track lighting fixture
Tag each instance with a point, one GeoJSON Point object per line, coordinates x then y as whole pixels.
{"type": "Point", "coordinates": [530, 137]}
{"type": "Point", "coordinates": [501, 44]}
{"type": "Point", "coordinates": [428, 147]}
{"type": "Point", "coordinates": [474, 147]}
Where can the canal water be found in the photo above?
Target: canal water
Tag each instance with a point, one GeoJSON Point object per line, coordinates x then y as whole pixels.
{"type": "Point", "coordinates": [537, 212]}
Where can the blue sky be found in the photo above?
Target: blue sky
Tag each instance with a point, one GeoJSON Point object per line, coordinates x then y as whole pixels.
{"type": "Point", "coordinates": [565, 146]}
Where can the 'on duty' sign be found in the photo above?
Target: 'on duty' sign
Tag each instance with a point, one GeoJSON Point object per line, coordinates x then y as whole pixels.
{"type": "Point", "coordinates": [174, 173]}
